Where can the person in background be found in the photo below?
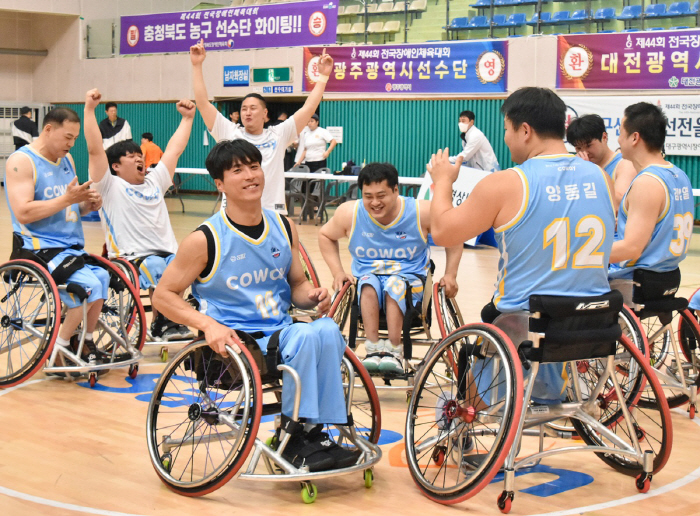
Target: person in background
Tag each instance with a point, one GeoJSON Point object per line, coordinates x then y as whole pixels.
{"type": "Point", "coordinates": [476, 149]}
{"type": "Point", "coordinates": [312, 145]}
{"type": "Point", "coordinates": [151, 152]}
{"type": "Point", "coordinates": [113, 128]}
{"type": "Point", "coordinates": [24, 129]}
{"type": "Point", "coordinates": [235, 117]}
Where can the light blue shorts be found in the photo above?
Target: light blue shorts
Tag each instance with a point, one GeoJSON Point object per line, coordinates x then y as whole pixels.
{"type": "Point", "coordinates": [393, 286]}
{"type": "Point", "coordinates": [151, 270]}
{"type": "Point", "coordinates": [94, 279]}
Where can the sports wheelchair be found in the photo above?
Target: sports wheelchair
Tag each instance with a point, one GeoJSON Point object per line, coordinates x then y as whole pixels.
{"type": "Point", "coordinates": [345, 310]}
{"type": "Point", "coordinates": [130, 270]}
{"type": "Point", "coordinates": [471, 404]}
{"type": "Point", "coordinates": [669, 330]}
{"type": "Point", "coordinates": [30, 318]}
{"type": "Point", "coordinates": [208, 413]}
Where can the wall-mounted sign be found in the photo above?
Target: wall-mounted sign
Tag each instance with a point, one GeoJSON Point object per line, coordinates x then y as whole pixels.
{"type": "Point", "coordinates": [272, 75]}
{"type": "Point", "coordinates": [236, 75]}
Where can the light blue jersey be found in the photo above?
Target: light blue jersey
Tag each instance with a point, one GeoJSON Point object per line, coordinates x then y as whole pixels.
{"type": "Point", "coordinates": [674, 227]}
{"type": "Point", "coordinates": [611, 166]}
{"type": "Point", "coordinates": [397, 248]}
{"type": "Point", "coordinates": [247, 286]}
{"type": "Point", "coordinates": [61, 230]}
{"type": "Point", "coordinates": [560, 240]}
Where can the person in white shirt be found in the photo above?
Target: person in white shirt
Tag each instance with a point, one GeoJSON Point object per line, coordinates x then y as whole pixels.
{"type": "Point", "coordinates": [271, 141]}
{"type": "Point", "coordinates": [113, 128]}
{"type": "Point", "coordinates": [134, 214]}
{"type": "Point", "coordinates": [312, 145]}
{"type": "Point", "coordinates": [476, 149]}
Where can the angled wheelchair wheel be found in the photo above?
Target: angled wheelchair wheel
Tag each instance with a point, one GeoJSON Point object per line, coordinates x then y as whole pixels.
{"type": "Point", "coordinates": [123, 319]}
{"type": "Point", "coordinates": [650, 421]}
{"type": "Point", "coordinates": [30, 317]}
{"type": "Point", "coordinates": [309, 268]}
{"type": "Point", "coordinates": [448, 315]}
{"type": "Point", "coordinates": [663, 356]}
{"type": "Point", "coordinates": [203, 418]}
{"type": "Point", "coordinates": [341, 305]}
{"type": "Point", "coordinates": [129, 271]}
{"type": "Point", "coordinates": [465, 407]}
{"type": "Point", "coordinates": [363, 399]}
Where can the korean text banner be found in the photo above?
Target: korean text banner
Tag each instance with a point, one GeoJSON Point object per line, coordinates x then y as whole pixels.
{"type": "Point", "coordinates": [682, 111]}
{"type": "Point", "coordinates": [465, 67]}
{"type": "Point", "coordinates": [668, 60]}
{"type": "Point", "coordinates": [263, 26]}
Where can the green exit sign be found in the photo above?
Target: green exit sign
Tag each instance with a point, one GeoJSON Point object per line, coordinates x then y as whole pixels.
{"type": "Point", "coordinates": [272, 75]}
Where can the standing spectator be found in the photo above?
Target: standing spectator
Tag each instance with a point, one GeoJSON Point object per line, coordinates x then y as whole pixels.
{"type": "Point", "coordinates": [24, 129]}
{"type": "Point", "coordinates": [235, 117]}
{"type": "Point", "coordinates": [476, 149]}
{"type": "Point", "coordinates": [113, 128]}
{"type": "Point", "coordinates": [151, 152]}
{"type": "Point", "coordinates": [312, 145]}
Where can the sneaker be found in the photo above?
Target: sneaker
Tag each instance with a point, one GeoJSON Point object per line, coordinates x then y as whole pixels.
{"type": "Point", "coordinates": [303, 453]}
{"type": "Point", "coordinates": [390, 364]}
{"type": "Point", "coordinates": [165, 329]}
{"type": "Point", "coordinates": [344, 457]}
{"type": "Point", "coordinates": [184, 332]}
{"type": "Point", "coordinates": [373, 358]}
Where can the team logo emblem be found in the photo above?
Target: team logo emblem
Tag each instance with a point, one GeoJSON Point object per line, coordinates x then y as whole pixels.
{"type": "Point", "coordinates": [275, 252]}
{"type": "Point", "coordinates": [132, 36]}
{"type": "Point", "coordinates": [577, 62]}
{"type": "Point", "coordinates": [317, 23]}
{"type": "Point", "coordinates": [401, 235]}
{"type": "Point", "coordinates": [490, 67]}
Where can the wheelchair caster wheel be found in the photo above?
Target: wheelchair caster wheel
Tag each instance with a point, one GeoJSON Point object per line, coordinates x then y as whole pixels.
{"type": "Point", "coordinates": [640, 433]}
{"type": "Point", "coordinates": [163, 354]}
{"type": "Point", "coordinates": [93, 380]}
{"type": "Point", "coordinates": [369, 478]}
{"type": "Point", "coordinates": [505, 501]}
{"type": "Point", "coordinates": [408, 396]}
{"type": "Point", "coordinates": [133, 371]}
{"type": "Point", "coordinates": [167, 461]}
{"type": "Point", "coordinates": [272, 442]}
{"type": "Point", "coordinates": [308, 492]}
{"type": "Point", "coordinates": [643, 482]}
{"type": "Point", "coordinates": [691, 412]}
{"type": "Point", "coordinates": [439, 455]}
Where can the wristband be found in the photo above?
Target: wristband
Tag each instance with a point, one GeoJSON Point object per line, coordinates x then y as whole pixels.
{"type": "Point", "coordinates": [323, 79]}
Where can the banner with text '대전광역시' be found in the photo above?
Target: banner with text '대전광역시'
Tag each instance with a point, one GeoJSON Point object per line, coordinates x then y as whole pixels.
{"type": "Point", "coordinates": [442, 67]}
{"type": "Point", "coordinates": [647, 60]}
{"type": "Point", "coordinates": [260, 26]}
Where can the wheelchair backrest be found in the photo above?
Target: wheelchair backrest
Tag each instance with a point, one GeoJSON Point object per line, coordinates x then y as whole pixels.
{"type": "Point", "coordinates": [653, 286]}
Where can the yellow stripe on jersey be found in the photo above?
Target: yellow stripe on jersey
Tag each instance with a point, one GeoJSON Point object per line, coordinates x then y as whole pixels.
{"type": "Point", "coordinates": [523, 204]}
{"type": "Point", "coordinates": [245, 237]}
{"type": "Point", "coordinates": [354, 218]}
{"type": "Point", "coordinates": [668, 196]}
{"type": "Point", "coordinates": [217, 254]}
{"type": "Point", "coordinates": [420, 230]}
{"type": "Point", "coordinates": [395, 221]}
{"type": "Point", "coordinates": [284, 228]}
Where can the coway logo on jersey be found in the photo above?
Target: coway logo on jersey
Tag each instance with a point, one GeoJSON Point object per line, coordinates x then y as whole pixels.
{"type": "Point", "coordinates": [401, 235]}
{"type": "Point", "coordinates": [146, 197]}
{"type": "Point", "coordinates": [401, 252]}
{"type": "Point", "coordinates": [54, 191]}
{"type": "Point", "coordinates": [275, 252]}
{"type": "Point", "coordinates": [595, 305]}
{"type": "Point", "coordinates": [257, 277]}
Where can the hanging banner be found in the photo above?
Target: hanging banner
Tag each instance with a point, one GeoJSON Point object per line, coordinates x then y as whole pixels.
{"type": "Point", "coordinates": [682, 111]}
{"type": "Point", "coordinates": [459, 67]}
{"type": "Point", "coordinates": [658, 60]}
{"type": "Point", "coordinates": [260, 26]}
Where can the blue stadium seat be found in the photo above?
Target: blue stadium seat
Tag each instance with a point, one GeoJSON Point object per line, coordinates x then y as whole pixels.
{"type": "Point", "coordinates": [479, 22]}
{"type": "Point", "coordinates": [546, 17]}
{"type": "Point", "coordinates": [606, 31]}
{"type": "Point", "coordinates": [481, 3]}
{"type": "Point", "coordinates": [679, 27]}
{"type": "Point", "coordinates": [605, 13]}
{"type": "Point", "coordinates": [632, 29]}
{"type": "Point", "coordinates": [459, 23]}
{"type": "Point", "coordinates": [499, 20]}
{"type": "Point", "coordinates": [579, 15]}
{"type": "Point", "coordinates": [630, 12]}
{"type": "Point", "coordinates": [655, 10]}
{"type": "Point", "coordinates": [656, 28]}
{"type": "Point", "coordinates": [561, 17]}
{"type": "Point", "coordinates": [679, 9]}
{"type": "Point", "coordinates": [695, 8]}
{"type": "Point", "coordinates": [516, 20]}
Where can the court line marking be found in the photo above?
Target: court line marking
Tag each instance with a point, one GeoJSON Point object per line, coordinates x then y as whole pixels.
{"type": "Point", "coordinates": [676, 484]}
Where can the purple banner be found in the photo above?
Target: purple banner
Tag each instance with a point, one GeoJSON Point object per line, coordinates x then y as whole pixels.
{"type": "Point", "coordinates": [663, 60]}
{"type": "Point", "coordinates": [260, 26]}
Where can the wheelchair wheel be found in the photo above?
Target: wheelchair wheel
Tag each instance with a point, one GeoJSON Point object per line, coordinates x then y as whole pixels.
{"type": "Point", "coordinates": [364, 405]}
{"type": "Point", "coordinates": [684, 327]}
{"type": "Point", "coordinates": [465, 406]}
{"type": "Point", "coordinates": [30, 316]}
{"type": "Point", "coordinates": [129, 271]}
{"type": "Point", "coordinates": [651, 420]}
{"type": "Point", "coordinates": [448, 315]}
{"type": "Point", "coordinates": [123, 318]}
{"type": "Point", "coordinates": [341, 304]}
{"type": "Point", "coordinates": [309, 268]}
{"type": "Point", "coordinates": [203, 418]}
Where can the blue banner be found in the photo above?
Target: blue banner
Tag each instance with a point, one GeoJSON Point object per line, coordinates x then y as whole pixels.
{"type": "Point", "coordinates": [236, 75]}
{"type": "Point", "coordinates": [445, 67]}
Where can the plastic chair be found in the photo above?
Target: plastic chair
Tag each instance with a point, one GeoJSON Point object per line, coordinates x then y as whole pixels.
{"type": "Point", "coordinates": [679, 9]}
{"type": "Point", "coordinates": [459, 23]}
{"type": "Point", "coordinates": [479, 22]}
{"type": "Point", "coordinates": [605, 13]}
{"type": "Point", "coordinates": [655, 10]}
{"type": "Point", "coordinates": [630, 12]}
{"type": "Point", "coordinates": [499, 20]}
{"type": "Point", "coordinates": [561, 17]}
{"type": "Point", "coordinates": [545, 18]}
{"type": "Point", "coordinates": [516, 20]}
{"type": "Point", "coordinates": [579, 15]}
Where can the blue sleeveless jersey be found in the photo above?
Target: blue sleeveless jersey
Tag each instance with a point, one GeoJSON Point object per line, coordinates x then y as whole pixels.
{"type": "Point", "coordinates": [559, 242]}
{"type": "Point", "coordinates": [61, 230]}
{"type": "Point", "coordinates": [674, 227]}
{"type": "Point", "coordinates": [397, 248]}
{"type": "Point", "coordinates": [611, 166]}
{"type": "Point", "coordinates": [247, 287]}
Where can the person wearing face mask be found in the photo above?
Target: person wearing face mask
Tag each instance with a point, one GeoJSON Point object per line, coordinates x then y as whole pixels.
{"type": "Point", "coordinates": [476, 149]}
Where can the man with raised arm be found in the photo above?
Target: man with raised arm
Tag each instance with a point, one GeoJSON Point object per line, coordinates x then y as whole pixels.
{"type": "Point", "coordinates": [46, 203]}
{"type": "Point", "coordinates": [271, 141]}
{"type": "Point", "coordinates": [134, 214]}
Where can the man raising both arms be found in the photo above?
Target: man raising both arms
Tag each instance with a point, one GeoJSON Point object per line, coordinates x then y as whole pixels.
{"type": "Point", "coordinates": [271, 141]}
